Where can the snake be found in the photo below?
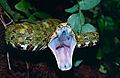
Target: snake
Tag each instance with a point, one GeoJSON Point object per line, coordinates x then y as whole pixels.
{"type": "Point", "coordinates": [53, 34]}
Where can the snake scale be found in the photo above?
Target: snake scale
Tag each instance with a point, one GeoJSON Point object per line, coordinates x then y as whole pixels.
{"type": "Point", "coordinates": [52, 33]}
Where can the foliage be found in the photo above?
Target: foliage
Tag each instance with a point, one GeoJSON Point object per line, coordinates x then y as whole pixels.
{"type": "Point", "coordinates": [72, 9]}
{"type": "Point", "coordinates": [77, 20]}
{"type": "Point", "coordinates": [107, 23]}
{"type": "Point", "coordinates": [4, 4]}
{"type": "Point", "coordinates": [41, 15]}
{"type": "Point", "coordinates": [83, 5]}
{"type": "Point", "coordinates": [106, 20]}
{"type": "Point", "coordinates": [77, 63]}
{"type": "Point", "coordinates": [24, 6]}
{"type": "Point", "coordinates": [88, 28]}
{"type": "Point", "coordinates": [103, 69]}
{"type": "Point", "coordinates": [88, 4]}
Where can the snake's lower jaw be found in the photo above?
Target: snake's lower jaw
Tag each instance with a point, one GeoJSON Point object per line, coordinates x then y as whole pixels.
{"type": "Point", "coordinates": [63, 53]}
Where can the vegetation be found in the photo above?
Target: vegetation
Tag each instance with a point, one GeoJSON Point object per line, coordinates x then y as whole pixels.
{"type": "Point", "coordinates": [84, 16]}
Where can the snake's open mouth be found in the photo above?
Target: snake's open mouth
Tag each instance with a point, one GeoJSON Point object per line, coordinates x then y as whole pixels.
{"type": "Point", "coordinates": [62, 47]}
{"type": "Point", "coordinates": [64, 57]}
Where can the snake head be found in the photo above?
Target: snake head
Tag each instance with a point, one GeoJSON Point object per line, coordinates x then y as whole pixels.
{"type": "Point", "coordinates": [62, 45]}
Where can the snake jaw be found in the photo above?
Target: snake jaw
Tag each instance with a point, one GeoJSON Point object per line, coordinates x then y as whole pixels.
{"type": "Point", "coordinates": [62, 47]}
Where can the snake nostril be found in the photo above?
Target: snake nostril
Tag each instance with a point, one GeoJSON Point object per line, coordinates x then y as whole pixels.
{"type": "Point", "coordinates": [65, 66]}
{"type": "Point", "coordinates": [63, 31]}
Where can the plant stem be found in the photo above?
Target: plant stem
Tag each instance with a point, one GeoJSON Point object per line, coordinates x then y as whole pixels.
{"type": "Point", "coordinates": [8, 61]}
{"type": "Point", "coordinates": [11, 20]}
{"type": "Point", "coordinates": [3, 21]}
{"type": "Point", "coordinates": [79, 11]}
{"type": "Point", "coordinates": [27, 65]}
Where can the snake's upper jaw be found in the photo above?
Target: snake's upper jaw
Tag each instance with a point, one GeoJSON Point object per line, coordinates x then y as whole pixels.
{"type": "Point", "coordinates": [62, 47]}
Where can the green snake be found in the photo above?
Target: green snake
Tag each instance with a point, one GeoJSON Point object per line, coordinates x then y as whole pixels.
{"type": "Point", "coordinates": [52, 33]}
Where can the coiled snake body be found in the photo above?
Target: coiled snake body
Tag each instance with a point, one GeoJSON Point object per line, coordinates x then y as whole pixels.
{"type": "Point", "coordinates": [52, 33]}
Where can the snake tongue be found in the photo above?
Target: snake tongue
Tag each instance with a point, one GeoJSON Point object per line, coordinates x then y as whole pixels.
{"type": "Point", "coordinates": [63, 52]}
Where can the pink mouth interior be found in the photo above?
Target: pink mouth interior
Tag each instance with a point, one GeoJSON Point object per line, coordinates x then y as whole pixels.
{"type": "Point", "coordinates": [64, 57]}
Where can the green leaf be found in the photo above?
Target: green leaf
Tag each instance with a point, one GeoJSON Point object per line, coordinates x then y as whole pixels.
{"type": "Point", "coordinates": [103, 69]}
{"type": "Point", "coordinates": [106, 23]}
{"type": "Point", "coordinates": [23, 6]}
{"type": "Point", "coordinates": [76, 21]}
{"type": "Point", "coordinates": [31, 19]}
{"type": "Point", "coordinates": [88, 28]}
{"type": "Point", "coordinates": [88, 4]}
{"type": "Point", "coordinates": [77, 63]}
{"type": "Point", "coordinates": [41, 15]}
{"type": "Point", "coordinates": [5, 6]}
{"type": "Point", "coordinates": [101, 23]}
{"type": "Point", "coordinates": [72, 9]}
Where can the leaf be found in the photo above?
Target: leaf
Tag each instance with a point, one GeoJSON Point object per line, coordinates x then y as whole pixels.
{"type": "Point", "coordinates": [77, 63]}
{"type": "Point", "coordinates": [7, 9]}
{"type": "Point", "coordinates": [88, 28]}
{"type": "Point", "coordinates": [72, 9]}
{"type": "Point", "coordinates": [5, 5]}
{"type": "Point", "coordinates": [41, 15]}
{"type": "Point", "coordinates": [23, 6]}
{"type": "Point", "coordinates": [88, 4]}
{"type": "Point", "coordinates": [76, 21]}
{"type": "Point", "coordinates": [103, 69]}
{"type": "Point", "coordinates": [31, 19]}
{"type": "Point", "coordinates": [106, 23]}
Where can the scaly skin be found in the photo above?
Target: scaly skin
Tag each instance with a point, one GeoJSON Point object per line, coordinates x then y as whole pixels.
{"type": "Point", "coordinates": [59, 37]}
{"type": "Point", "coordinates": [87, 39]}
{"type": "Point", "coordinates": [31, 37]}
